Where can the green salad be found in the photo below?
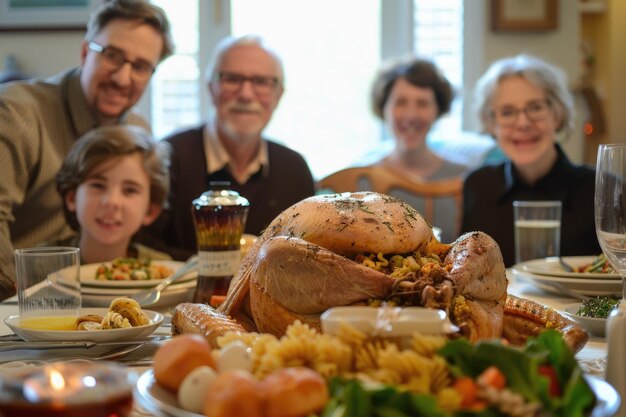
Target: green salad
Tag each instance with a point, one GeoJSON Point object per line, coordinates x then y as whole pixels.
{"type": "Point", "coordinates": [544, 375]}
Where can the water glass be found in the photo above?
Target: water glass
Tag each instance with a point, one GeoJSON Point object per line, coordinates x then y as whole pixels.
{"type": "Point", "coordinates": [537, 229]}
{"type": "Point", "coordinates": [48, 287]}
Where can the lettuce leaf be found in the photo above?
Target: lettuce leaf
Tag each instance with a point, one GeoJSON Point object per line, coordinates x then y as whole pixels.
{"type": "Point", "coordinates": [351, 398]}
{"type": "Point", "coordinates": [520, 366]}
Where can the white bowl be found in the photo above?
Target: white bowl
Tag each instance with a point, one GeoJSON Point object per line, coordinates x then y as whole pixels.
{"type": "Point", "coordinates": [595, 326]}
{"type": "Point", "coordinates": [388, 321]}
{"type": "Point", "coordinates": [109, 335]}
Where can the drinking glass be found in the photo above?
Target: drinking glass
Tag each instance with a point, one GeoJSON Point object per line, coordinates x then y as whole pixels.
{"type": "Point", "coordinates": [610, 206]}
{"type": "Point", "coordinates": [537, 229]}
{"type": "Point", "coordinates": [48, 287]}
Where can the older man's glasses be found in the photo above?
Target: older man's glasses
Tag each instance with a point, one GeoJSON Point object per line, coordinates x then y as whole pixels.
{"type": "Point", "coordinates": [534, 111]}
{"type": "Point", "coordinates": [231, 82]}
{"type": "Point", "coordinates": [113, 59]}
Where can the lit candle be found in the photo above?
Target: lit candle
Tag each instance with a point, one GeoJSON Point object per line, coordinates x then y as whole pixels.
{"type": "Point", "coordinates": [67, 389]}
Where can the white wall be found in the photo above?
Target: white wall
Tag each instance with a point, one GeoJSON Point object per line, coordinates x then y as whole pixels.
{"type": "Point", "coordinates": [42, 54]}
{"type": "Point", "coordinates": [482, 46]}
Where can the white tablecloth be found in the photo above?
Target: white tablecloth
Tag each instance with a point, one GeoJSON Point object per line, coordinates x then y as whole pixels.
{"type": "Point", "coordinates": [592, 357]}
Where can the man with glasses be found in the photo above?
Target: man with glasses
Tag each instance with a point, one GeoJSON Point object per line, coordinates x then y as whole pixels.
{"type": "Point", "coordinates": [42, 118]}
{"type": "Point", "coordinates": [524, 103]}
{"type": "Point", "coordinates": [245, 80]}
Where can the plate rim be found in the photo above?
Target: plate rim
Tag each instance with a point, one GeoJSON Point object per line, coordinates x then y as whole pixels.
{"type": "Point", "coordinates": [567, 280]}
{"type": "Point", "coordinates": [142, 388]}
{"type": "Point", "coordinates": [120, 292]}
{"type": "Point", "coordinates": [109, 335]}
{"type": "Point", "coordinates": [527, 267]}
{"type": "Point", "coordinates": [588, 287]}
{"type": "Point", "coordinates": [130, 284]}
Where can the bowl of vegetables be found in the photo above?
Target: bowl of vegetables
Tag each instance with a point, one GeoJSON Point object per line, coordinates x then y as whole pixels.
{"type": "Point", "coordinates": [592, 313]}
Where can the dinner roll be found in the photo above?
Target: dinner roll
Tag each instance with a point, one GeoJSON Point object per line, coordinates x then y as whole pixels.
{"type": "Point", "coordinates": [89, 322]}
{"type": "Point", "coordinates": [130, 310]}
{"type": "Point", "coordinates": [234, 394]}
{"type": "Point", "coordinates": [294, 392]}
{"type": "Point", "coordinates": [177, 357]}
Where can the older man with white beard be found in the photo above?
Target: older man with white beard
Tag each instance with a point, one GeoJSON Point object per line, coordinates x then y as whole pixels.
{"type": "Point", "coordinates": [245, 79]}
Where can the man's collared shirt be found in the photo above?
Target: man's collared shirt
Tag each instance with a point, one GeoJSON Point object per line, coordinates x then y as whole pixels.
{"type": "Point", "coordinates": [217, 157]}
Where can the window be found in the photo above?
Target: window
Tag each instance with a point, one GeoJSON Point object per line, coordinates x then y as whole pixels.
{"type": "Point", "coordinates": [438, 35]}
{"type": "Point", "coordinates": [331, 52]}
{"type": "Point", "coordinates": [176, 86]}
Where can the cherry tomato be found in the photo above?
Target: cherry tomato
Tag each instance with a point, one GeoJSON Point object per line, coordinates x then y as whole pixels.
{"type": "Point", "coordinates": [549, 372]}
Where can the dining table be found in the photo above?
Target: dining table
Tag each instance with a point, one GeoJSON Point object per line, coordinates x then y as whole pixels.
{"type": "Point", "coordinates": [592, 357]}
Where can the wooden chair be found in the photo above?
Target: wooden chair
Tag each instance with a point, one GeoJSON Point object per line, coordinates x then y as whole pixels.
{"type": "Point", "coordinates": [384, 180]}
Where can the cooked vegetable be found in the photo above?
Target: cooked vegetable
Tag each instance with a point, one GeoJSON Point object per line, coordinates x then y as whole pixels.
{"type": "Point", "coordinates": [124, 269]}
{"type": "Point", "coordinates": [599, 265]}
{"type": "Point", "coordinates": [599, 307]}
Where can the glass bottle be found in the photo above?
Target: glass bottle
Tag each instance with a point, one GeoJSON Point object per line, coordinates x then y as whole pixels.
{"type": "Point", "coordinates": [220, 217]}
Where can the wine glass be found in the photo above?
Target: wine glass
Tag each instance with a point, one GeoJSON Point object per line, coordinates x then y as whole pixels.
{"type": "Point", "coordinates": [610, 206]}
{"type": "Point", "coordinates": [610, 214]}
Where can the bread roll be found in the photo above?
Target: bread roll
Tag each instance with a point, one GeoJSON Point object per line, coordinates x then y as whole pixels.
{"type": "Point", "coordinates": [234, 394]}
{"type": "Point", "coordinates": [294, 392]}
{"type": "Point", "coordinates": [130, 310]}
{"type": "Point", "coordinates": [204, 320]}
{"type": "Point", "coordinates": [176, 358]}
{"type": "Point", "coordinates": [89, 322]}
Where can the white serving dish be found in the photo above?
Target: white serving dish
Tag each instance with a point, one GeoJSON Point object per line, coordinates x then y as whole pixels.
{"type": "Point", "coordinates": [110, 335]}
{"type": "Point", "coordinates": [388, 321]}
{"type": "Point", "coordinates": [595, 326]}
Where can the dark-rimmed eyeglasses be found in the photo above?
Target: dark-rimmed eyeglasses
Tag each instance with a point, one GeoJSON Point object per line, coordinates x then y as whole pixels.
{"type": "Point", "coordinates": [534, 111]}
{"type": "Point", "coordinates": [231, 82]}
{"type": "Point", "coordinates": [113, 59]}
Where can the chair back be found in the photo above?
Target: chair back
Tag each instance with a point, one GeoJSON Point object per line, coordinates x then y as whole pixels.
{"type": "Point", "coordinates": [384, 180]}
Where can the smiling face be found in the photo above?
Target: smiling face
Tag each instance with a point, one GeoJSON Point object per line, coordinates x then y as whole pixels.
{"type": "Point", "coordinates": [409, 113]}
{"type": "Point", "coordinates": [113, 202]}
{"type": "Point", "coordinates": [242, 115]}
{"type": "Point", "coordinates": [529, 144]}
{"type": "Point", "coordinates": [111, 93]}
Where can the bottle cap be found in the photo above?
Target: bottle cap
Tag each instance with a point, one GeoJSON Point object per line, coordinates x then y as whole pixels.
{"type": "Point", "coordinates": [222, 197]}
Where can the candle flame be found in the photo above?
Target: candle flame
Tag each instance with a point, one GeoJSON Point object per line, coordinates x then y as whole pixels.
{"type": "Point", "coordinates": [57, 382]}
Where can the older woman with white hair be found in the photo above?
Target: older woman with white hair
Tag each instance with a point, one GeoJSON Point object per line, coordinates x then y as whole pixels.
{"type": "Point", "coordinates": [524, 103]}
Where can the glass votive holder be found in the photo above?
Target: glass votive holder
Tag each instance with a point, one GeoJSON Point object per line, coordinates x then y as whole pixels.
{"type": "Point", "coordinates": [68, 389]}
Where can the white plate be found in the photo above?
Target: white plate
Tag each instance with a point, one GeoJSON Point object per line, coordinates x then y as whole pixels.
{"type": "Point", "coordinates": [592, 287]}
{"type": "Point", "coordinates": [595, 326]}
{"type": "Point", "coordinates": [163, 403]}
{"type": "Point", "coordinates": [119, 292]}
{"type": "Point", "coordinates": [552, 267]}
{"type": "Point", "coordinates": [170, 296]}
{"type": "Point", "coordinates": [112, 335]}
{"type": "Point", "coordinates": [88, 276]}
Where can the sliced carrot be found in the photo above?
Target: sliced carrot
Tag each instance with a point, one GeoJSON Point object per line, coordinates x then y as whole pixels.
{"type": "Point", "coordinates": [468, 389]}
{"type": "Point", "coordinates": [217, 300]}
{"type": "Point", "coordinates": [493, 377]}
{"type": "Point", "coordinates": [479, 405]}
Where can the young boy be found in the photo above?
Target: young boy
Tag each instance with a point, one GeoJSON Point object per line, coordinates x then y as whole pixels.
{"type": "Point", "coordinates": [114, 180]}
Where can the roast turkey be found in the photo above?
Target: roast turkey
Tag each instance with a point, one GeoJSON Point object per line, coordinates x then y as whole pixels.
{"type": "Point", "coordinates": [307, 261]}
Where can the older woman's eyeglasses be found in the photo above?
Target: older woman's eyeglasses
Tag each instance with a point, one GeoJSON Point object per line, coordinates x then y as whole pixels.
{"type": "Point", "coordinates": [534, 111]}
{"type": "Point", "coordinates": [113, 59]}
{"type": "Point", "coordinates": [231, 82]}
